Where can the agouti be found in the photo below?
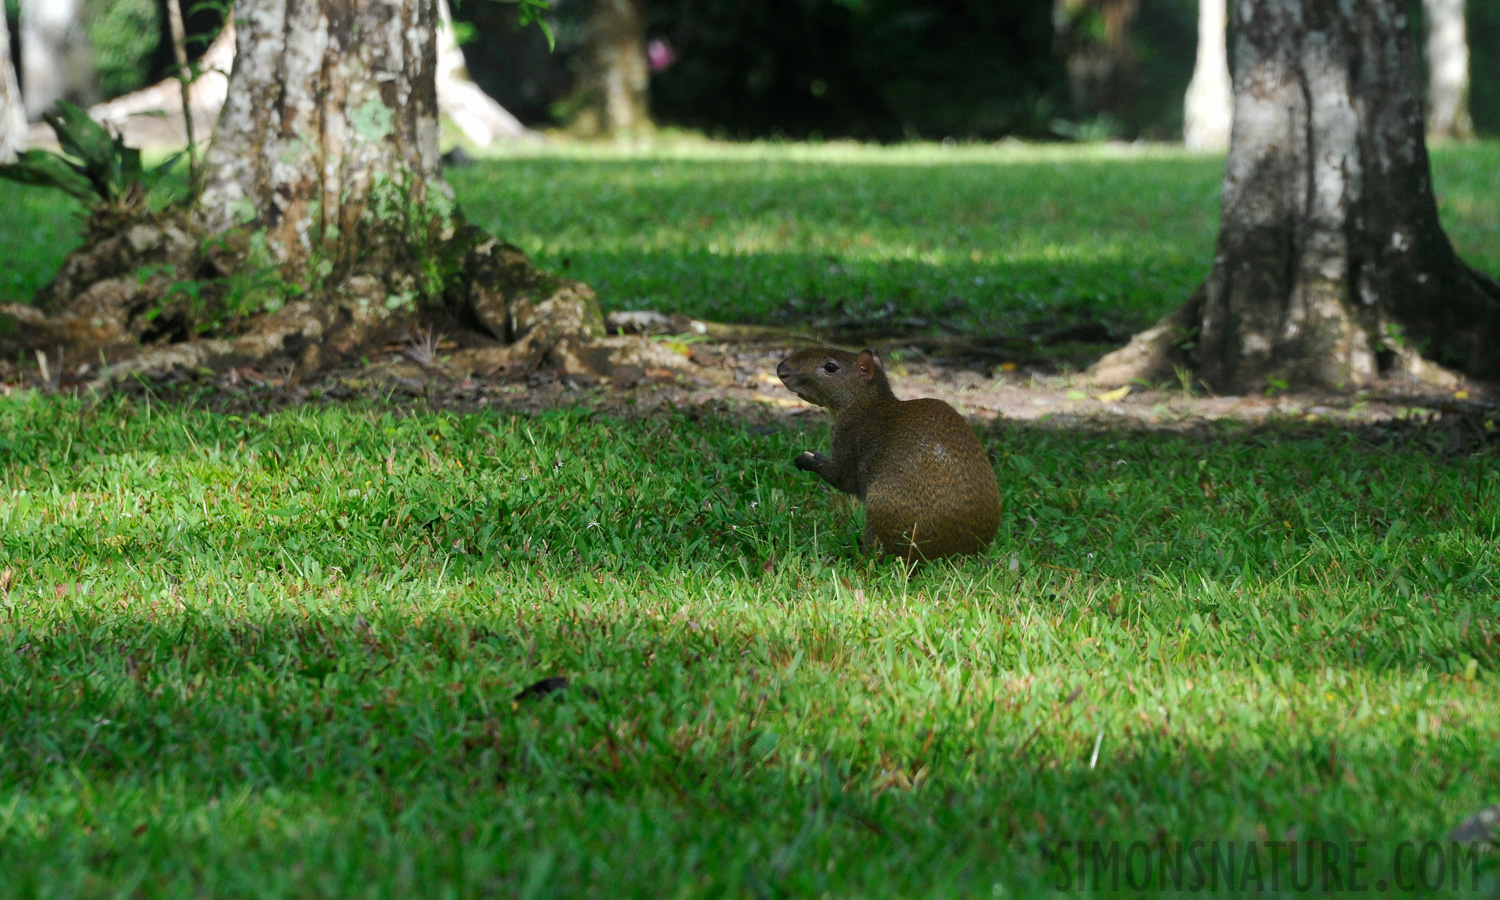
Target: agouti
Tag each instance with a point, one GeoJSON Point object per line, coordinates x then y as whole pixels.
{"type": "Point", "coordinates": [926, 483]}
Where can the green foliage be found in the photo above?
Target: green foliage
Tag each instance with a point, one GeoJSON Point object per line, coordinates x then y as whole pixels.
{"type": "Point", "coordinates": [528, 12]}
{"type": "Point", "coordinates": [275, 656]}
{"type": "Point", "coordinates": [533, 12]}
{"type": "Point", "coordinates": [95, 167]}
{"type": "Point", "coordinates": [423, 223]}
{"type": "Point", "coordinates": [123, 35]}
{"type": "Point", "coordinates": [201, 306]}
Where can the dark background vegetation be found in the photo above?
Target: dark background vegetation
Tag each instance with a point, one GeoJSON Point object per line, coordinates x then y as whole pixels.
{"type": "Point", "coordinates": [880, 70]}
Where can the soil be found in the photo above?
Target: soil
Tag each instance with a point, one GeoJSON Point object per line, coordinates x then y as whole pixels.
{"type": "Point", "coordinates": [739, 380]}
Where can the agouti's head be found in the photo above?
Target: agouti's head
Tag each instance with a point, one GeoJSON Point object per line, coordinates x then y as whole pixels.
{"type": "Point", "coordinates": [835, 379]}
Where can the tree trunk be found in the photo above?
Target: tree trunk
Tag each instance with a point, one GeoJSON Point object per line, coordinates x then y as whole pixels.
{"type": "Point", "coordinates": [1331, 268]}
{"type": "Point", "coordinates": [12, 110]}
{"type": "Point", "coordinates": [1209, 102]}
{"type": "Point", "coordinates": [152, 116]}
{"type": "Point", "coordinates": [57, 62]}
{"type": "Point", "coordinates": [1447, 70]}
{"type": "Point", "coordinates": [611, 95]}
{"type": "Point", "coordinates": [1094, 39]}
{"type": "Point", "coordinates": [480, 118]}
{"type": "Point", "coordinates": [324, 227]}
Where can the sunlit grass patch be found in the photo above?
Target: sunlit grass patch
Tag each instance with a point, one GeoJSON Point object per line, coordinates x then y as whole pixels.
{"type": "Point", "coordinates": [277, 656]}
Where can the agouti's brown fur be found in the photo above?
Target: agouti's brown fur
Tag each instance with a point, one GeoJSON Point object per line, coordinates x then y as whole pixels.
{"type": "Point", "coordinates": [926, 483]}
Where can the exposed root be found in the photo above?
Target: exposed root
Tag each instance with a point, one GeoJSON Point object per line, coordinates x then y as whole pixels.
{"type": "Point", "coordinates": [1153, 355]}
{"type": "Point", "coordinates": [120, 301]}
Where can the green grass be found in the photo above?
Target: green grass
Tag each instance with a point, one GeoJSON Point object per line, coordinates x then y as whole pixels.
{"type": "Point", "coordinates": [987, 239]}
{"type": "Point", "coordinates": [274, 657]}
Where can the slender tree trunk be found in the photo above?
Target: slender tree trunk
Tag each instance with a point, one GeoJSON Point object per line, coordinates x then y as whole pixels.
{"type": "Point", "coordinates": [12, 109]}
{"type": "Point", "coordinates": [324, 227]}
{"type": "Point", "coordinates": [613, 79]}
{"type": "Point", "coordinates": [1094, 39]}
{"type": "Point", "coordinates": [1331, 268]}
{"type": "Point", "coordinates": [475, 113]}
{"type": "Point", "coordinates": [1447, 70]}
{"type": "Point", "coordinates": [57, 62]}
{"type": "Point", "coordinates": [1209, 103]}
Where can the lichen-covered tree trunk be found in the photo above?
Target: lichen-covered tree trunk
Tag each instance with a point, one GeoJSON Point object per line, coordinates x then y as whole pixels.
{"type": "Point", "coordinates": [1331, 268]}
{"type": "Point", "coordinates": [12, 110]}
{"type": "Point", "coordinates": [57, 62]}
{"type": "Point", "coordinates": [611, 96]}
{"type": "Point", "coordinates": [324, 226]}
{"type": "Point", "coordinates": [1207, 108]}
{"type": "Point", "coordinates": [1447, 70]}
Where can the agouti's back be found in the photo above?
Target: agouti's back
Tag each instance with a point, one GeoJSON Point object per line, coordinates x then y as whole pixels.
{"type": "Point", "coordinates": [927, 486]}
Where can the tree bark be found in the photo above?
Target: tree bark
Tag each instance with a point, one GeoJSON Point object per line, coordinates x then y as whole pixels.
{"type": "Point", "coordinates": [152, 116]}
{"type": "Point", "coordinates": [1331, 268]}
{"type": "Point", "coordinates": [1447, 70]}
{"type": "Point", "coordinates": [324, 226]}
{"type": "Point", "coordinates": [1208, 106]}
{"type": "Point", "coordinates": [12, 108]}
{"type": "Point", "coordinates": [612, 81]}
{"type": "Point", "coordinates": [57, 62]}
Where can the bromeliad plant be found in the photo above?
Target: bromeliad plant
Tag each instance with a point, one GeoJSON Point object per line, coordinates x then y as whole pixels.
{"type": "Point", "coordinates": [96, 167]}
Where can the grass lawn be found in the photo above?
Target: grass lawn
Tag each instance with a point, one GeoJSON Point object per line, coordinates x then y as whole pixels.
{"type": "Point", "coordinates": [276, 656]}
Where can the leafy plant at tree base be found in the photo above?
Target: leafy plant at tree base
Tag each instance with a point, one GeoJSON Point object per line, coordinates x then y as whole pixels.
{"type": "Point", "coordinates": [96, 167]}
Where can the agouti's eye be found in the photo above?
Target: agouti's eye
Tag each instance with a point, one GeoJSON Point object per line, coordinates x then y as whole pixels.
{"type": "Point", "coordinates": [830, 367]}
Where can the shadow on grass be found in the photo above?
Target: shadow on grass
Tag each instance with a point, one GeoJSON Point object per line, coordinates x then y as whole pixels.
{"type": "Point", "coordinates": [703, 754]}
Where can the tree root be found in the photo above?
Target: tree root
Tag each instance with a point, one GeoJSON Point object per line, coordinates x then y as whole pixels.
{"type": "Point", "coordinates": [1152, 356]}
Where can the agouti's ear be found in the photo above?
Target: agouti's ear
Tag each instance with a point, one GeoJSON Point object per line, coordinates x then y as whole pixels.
{"type": "Point", "coordinates": [868, 362]}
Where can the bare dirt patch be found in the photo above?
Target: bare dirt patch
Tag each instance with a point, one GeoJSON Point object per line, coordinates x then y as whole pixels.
{"type": "Point", "coordinates": [739, 379]}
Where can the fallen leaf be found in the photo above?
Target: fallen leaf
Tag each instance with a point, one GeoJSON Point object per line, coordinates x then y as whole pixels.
{"type": "Point", "coordinates": [1114, 396]}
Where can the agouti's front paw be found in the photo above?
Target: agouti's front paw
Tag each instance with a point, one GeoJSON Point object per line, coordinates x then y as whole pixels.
{"type": "Point", "coordinates": [810, 461]}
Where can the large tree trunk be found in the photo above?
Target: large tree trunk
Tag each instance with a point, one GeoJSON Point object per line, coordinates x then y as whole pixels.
{"type": "Point", "coordinates": [1331, 268]}
{"type": "Point", "coordinates": [1094, 39]}
{"type": "Point", "coordinates": [325, 225]}
{"type": "Point", "coordinates": [1447, 70]}
{"type": "Point", "coordinates": [1207, 108]}
{"type": "Point", "coordinates": [57, 62]}
{"type": "Point", "coordinates": [610, 98]}
{"type": "Point", "coordinates": [12, 109]}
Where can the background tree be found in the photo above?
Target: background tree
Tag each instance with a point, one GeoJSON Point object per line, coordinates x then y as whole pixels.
{"type": "Point", "coordinates": [472, 111]}
{"type": "Point", "coordinates": [12, 108]}
{"type": "Point", "coordinates": [57, 60]}
{"type": "Point", "coordinates": [1447, 69]}
{"type": "Point", "coordinates": [1331, 267]}
{"type": "Point", "coordinates": [1094, 38]}
{"type": "Point", "coordinates": [325, 223]}
{"type": "Point", "coordinates": [611, 94]}
{"type": "Point", "coordinates": [1209, 102]}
